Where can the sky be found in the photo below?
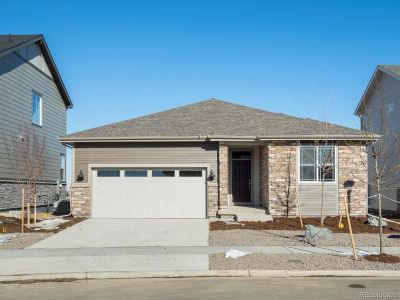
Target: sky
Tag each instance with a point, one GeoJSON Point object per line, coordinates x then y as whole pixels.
{"type": "Point", "coordinates": [122, 59]}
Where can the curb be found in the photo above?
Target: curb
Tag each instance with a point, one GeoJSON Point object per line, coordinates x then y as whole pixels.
{"type": "Point", "coordinates": [193, 274]}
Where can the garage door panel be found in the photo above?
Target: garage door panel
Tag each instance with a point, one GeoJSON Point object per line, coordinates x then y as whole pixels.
{"type": "Point", "coordinates": [149, 197]}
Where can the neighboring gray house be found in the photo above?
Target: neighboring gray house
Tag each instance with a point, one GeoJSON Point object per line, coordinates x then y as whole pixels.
{"type": "Point", "coordinates": [383, 90]}
{"type": "Point", "coordinates": [202, 159]}
{"type": "Point", "coordinates": [32, 95]}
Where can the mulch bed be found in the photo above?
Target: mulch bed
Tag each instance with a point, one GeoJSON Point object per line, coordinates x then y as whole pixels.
{"type": "Point", "coordinates": [359, 225]}
{"type": "Point", "coordinates": [13, 225]}
{"type": "Point", "coordinates": [385, 258]}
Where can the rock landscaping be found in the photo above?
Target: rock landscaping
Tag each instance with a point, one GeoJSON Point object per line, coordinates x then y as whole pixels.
{"type": "Point", "coordinates": [305, 262]}
{"type": "Point", "coordinates": [12, 238]}
{"type": "Point", "coordinates": [246, 237]}
{"type": "Point", "coordinates": [359, 225]}
{"type": "Point", "coordinates": [23, 240]}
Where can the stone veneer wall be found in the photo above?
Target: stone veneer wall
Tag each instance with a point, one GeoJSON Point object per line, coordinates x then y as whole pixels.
{"type": "Point", "coordinates": [280, 167]}
{"type": "Point", "coordinates": [223, 170]}
{"type": "Point", "coordinates": [10, 194]}
{"type": "Point", "coordinates": [273, 174]}
{"type": "Point", "coordinates": [80, 199]}
{"type": "Point", "coordinates": [351, 167]}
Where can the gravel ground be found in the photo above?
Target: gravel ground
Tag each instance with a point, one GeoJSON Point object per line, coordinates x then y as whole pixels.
{"type": "Point", "coordinates": [305, 262]}
{"type": "Point", "coordinates": [245, 237]}
{"type": "Point", "coordinates": [23, 240]}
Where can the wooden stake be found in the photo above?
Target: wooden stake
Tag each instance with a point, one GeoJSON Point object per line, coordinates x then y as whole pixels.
{"type": "Point", "coordinates": [341, 216]}
{"type": "Point", "coordinates": [28, 212]}
{"type": "Point", "coordinates": [22, 209]}
{"type": "Point", "coordinates": [298, 207]}
{"type": "Point", "coordinates": [34, 211]}
{"type": "Point", "coordinates": [349, 223]}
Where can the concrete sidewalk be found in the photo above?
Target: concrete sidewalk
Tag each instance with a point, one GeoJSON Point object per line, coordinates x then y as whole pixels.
{"type": "Point", "coordinates": [180, 250]}
{"type": "Point", "coordinates": [134, 262]}
{"type": "Point", "coordinates": [118, 263]}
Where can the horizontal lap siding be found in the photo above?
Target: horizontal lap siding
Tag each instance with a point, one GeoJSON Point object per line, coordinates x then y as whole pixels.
{"type": "Point", "coordinates": [389, 92]}
{"type": "Point", "coordinates": [310, 196]}
{"type": "Point", "coordinates": [17, 81]}
{"type": "Point", "coordinates": [144, 153]}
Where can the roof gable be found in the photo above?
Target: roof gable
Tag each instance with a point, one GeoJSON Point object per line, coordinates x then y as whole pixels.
{"type": "Point", "coordinates": [212, 120]}
{"type": "Point", "coordinates": [10, 43]}
{"type": "Point", "coordinates": [391, 70]}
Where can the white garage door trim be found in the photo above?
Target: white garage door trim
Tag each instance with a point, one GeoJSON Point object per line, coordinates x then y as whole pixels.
{"type": "Point", "coordinates": [204, 167]}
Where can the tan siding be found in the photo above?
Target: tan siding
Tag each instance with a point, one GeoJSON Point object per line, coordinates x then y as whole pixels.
{"type": "Point", "coordinates": [310, 199]}
{"type": "Point", "coordinates": [144, 153]}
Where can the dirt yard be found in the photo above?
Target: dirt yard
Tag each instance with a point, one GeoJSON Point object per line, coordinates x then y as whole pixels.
{"type": "Point", "coordinates": [305, 262]}
{"type": "Point", "coordinates": [359, 225]}
{"type": "Point", "coordinates": [13, 225]}
{"type": "Point", "coordinates": [23, 240]}
{"type": "Point", "coordinates": [10, 229]}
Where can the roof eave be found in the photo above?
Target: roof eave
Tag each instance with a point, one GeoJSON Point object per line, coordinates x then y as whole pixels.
{"type": "Point", "coordinates": [21, 45]}
{"type": "Point", "coordinates": [50, 61]}
{"type": "Point", "coordinates": [370, 83]}
{"type": "Point", "coordinates": [57, 76]}
{"type": "Point", "coordinates": [202, 138]}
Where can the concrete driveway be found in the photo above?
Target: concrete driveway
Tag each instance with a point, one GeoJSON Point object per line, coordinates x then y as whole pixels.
{"type": "Point", "coordinates": [130, 232]}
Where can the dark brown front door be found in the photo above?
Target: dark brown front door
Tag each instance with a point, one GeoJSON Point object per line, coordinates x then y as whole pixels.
{"type": "Point", "coordinates": [241, 180]}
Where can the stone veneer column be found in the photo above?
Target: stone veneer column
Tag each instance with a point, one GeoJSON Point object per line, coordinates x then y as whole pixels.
{"type": "Point", "coordinates": [264, 176]}
{"type": "Point", "coordinates": [212, 198]}
{"type": "Point", "coordinates": [351, 167]}
{"type": "Point", "coordinates": [223, 175]}
{"type": "Point", "coordinates": [281, 166]}
{"type": "Point", "coordinates": [80, 199]}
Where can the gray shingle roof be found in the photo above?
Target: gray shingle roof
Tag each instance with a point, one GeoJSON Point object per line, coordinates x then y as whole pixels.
{"type": "Point", "coordinates": [215, 119]}
{"type": "Point", "coordinates": [11, 42]}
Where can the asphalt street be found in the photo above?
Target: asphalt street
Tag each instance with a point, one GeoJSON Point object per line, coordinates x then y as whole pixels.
{"type": "Point", "coordinates": [206, 288]}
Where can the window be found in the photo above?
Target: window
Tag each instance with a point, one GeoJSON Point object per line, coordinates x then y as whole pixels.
{"type": "Point", "coordinates": [108, 173]}
{"type": "Point", "coordinates": [36, 109]}
{"type": "Point", "coordinates": [62, 167]}
{"type": "Point", "coordinates": [190, 173]}
{"type": "Point", "coordinates": [135, 173]}
{"type": "Point", "coordinates": [163, 173]}
{"type": "Point", "coordinates": [390, 107]}
{"type": "Point", "coordinates": [317, 163]}
{"type": "Point", "coordinates": [246, 155]}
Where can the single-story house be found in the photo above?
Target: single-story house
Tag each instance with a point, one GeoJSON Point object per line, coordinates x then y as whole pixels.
{"type": "Point", "coordinates": [200, 159]}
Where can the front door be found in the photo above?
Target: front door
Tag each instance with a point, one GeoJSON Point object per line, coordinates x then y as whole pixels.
{"type": "Point", "coordinates": [241, 176]}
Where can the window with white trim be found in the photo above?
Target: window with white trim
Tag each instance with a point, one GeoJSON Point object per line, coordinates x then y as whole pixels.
{"type": "Point", "coordinates": [317, 163]}
{"type": "Point", "coordinates": [36, 109]}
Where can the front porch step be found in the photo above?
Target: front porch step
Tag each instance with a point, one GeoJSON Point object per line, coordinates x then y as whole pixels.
{"type": "Point", "coordinates": [244, 213]}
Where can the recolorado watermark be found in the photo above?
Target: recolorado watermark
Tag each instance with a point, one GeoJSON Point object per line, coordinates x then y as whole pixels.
{"type": "Point", "coordinates": [379, 295]}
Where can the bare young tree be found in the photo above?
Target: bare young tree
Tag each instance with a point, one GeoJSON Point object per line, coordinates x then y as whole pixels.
{"type": "Point", "coordinates": [285, 190]}
{"type": "Point", "coordinates": [381, 157]}
{"type": "Point", "coordinates": [27, 153]}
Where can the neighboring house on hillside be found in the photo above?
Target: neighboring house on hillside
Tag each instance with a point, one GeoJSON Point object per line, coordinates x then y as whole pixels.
{"type": "Point", "coordinates": [32, 99]}
{"type": "Point", "coordinates": [199, 160]}
{"type": "Point", "coordinates": [383, 91]}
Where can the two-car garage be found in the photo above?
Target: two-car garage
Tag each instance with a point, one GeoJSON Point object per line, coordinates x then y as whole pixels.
{"type": "Point", "coordinates": [148, 193]}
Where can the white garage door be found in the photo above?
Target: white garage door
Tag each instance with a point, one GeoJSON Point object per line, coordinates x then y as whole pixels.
{"type": "Point", "coordinates": [149, 193]}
